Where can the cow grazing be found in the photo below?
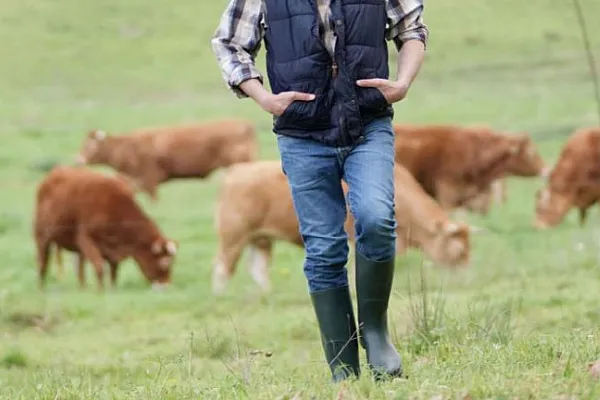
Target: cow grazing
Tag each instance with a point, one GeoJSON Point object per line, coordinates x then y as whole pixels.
{"type": "Point", "coordinates": [97, 217]}
{"type": "Point", "coordinates": [254, 208]}
{"type": "Point", "coordinates": [527, 164]}
{"type": "Point", "coordinates": [152, 156]}
{"type": "Point", "coordinates": [456, 164]}
{"type": "Point", "coordinates": [573, 182]}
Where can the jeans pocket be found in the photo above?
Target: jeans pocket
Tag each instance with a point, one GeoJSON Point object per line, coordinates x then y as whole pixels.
{"type": "Point", "coordinates": [302, 170]}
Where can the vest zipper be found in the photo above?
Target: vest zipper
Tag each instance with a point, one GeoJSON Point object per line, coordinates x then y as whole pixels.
{"type": "Point", "coordinates": [334, 72]}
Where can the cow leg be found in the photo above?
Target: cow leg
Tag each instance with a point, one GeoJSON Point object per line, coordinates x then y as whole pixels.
{"type": "Point", "coordinates": [225, 263]}
{"type": "Point", "coordinates": [260, 255]}
{"type": "Point", "coordinates": [150, 182]}
{"type": "Point", "coordinates": [582, 216]}
{"type": "Point", "coordinates": [150, 188]}
{"type": "Point", "coordinates": [496, 195]}
{"type": "Point", "coordinates": [480, 202]}
{"type": "Point", "coordinates": [446, 196]}
{"type": "Point", "coordinates": [113, 273]}
{"type": "Point", "coordinates": [499, 191]}
{"type": "Point", "coordinates": [152, 192]}
{"type": "Point", "coordinates": [60, 268]}
{"type": "Point", "coordinates": [91, 252]}
{"type": "Point", "coordinates": [43, 253]}
{"type": "Point", "coordinates": [81, 270]}
{"type": "Point", "coordinates": [401, 244]}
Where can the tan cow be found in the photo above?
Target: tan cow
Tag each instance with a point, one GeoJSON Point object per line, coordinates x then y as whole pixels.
{"type": "Point", "coordinates": [457, 164]}
{"type": "Point", "coordinates": [152, 156]}
{"type": "Point", "coordinates": [573, 182]}
{"type": "Point", "coordinates": [255, 208]}
{"type": "Point", "coordinates": [97, 217]}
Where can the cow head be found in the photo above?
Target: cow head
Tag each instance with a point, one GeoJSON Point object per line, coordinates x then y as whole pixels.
{"type": "Point", "coordinates": [156, 262]}
{"type": "Point", "coordinates": [524, 159]}
{"type": "Point", "coordinates": [449, 243]}
{"type": "Point", "coordinates": [551, 206]}
{"type": "Point", "coordinates": [92, 149]}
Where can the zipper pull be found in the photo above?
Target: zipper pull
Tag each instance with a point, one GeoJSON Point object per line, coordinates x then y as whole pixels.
{"type": "Point", "coordinates": [334, 69]}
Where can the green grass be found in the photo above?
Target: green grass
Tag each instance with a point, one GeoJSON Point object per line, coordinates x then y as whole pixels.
{"type": "Point", "coordinates": [521, 322]}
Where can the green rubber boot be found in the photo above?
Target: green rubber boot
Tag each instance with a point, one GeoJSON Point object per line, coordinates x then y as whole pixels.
{"type": "Point", "coordinates": [335, 317]}
{"type": "Point", "coordinates": [373, 289]}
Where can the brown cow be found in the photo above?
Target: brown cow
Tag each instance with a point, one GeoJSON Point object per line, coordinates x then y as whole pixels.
{"type": "Point", "coordinates": [60, 268]}
{"type": "Point", "coordinates": [152, 156]}
{"type": "Point", "coordinates": [97, 217]}
{"type": "Point", "coordinates": [255, 208]}
{"type": "Point", "coordinates": [527, 164]}
{"type": "Point", "coordinates": [574, 182]}
{"type": "Point", "coordinates": [456, 164]}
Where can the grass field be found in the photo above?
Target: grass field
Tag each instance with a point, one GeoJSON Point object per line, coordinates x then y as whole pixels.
{"type": "Point", "coordinates": [521, 322]}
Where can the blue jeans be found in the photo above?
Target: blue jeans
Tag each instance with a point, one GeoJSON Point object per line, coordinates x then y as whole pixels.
{"type": "Point", "coordinates": [314, 172]}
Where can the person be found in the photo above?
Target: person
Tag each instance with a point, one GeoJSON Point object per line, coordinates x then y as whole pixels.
{"type": "Point", "coordinates": [331, 100]}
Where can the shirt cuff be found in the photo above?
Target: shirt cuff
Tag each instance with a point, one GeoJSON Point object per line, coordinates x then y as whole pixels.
{"type": "Point", "coordinates": [241, 74]}
{"type": "Point", "coordinates": [420, 34]}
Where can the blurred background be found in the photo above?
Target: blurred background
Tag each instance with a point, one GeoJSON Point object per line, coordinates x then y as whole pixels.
{"type": "Point", "coordinates": [68, 66]}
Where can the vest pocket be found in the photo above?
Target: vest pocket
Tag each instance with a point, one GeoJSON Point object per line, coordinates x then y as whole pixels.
{"type": "Point", "coordinates": [294, 116]}
{"type": "Point", "coordinates": [291, 112]}
{"type": "Point", "coordinates": [370, 99]}
{"type": "Point", "coordinates": [305, 115]}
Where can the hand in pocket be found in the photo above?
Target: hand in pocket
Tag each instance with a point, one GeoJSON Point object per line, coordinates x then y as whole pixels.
{"type": "Point", "coordinates": [276, 104]}
{"type": "Point", "coordinates": [393, 91]}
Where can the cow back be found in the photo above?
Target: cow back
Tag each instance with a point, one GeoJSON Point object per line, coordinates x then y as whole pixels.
{"type": "Point", "coordinates": [254, 200]}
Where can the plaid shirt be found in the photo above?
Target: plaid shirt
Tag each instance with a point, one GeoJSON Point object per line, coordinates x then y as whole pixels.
{"type": "Point", "coordinates": [238, 38]}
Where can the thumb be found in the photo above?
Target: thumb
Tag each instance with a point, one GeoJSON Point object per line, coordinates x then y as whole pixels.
{"type": "Point", "coordinates": [302, 96]}
{"type": "Point", "coordinates": [375, 82]}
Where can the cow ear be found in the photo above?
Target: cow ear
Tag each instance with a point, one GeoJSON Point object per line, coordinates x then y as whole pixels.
{"type": "Point", "coordinates": [171, 247]}
{"type": "Point", "coordinates": [99, 135]}
{"type": "Point", "coordinates": [157, 247]}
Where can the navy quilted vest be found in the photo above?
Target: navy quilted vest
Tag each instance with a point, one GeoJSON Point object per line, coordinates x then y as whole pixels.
{"type": "Point", "coordinates": [298, 60]}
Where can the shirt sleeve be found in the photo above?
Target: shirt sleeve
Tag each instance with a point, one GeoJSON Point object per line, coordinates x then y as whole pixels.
{"type": "Point", "coordinates": [237, 41]}
{"type": "Point", "coordinates": [405, 22]}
